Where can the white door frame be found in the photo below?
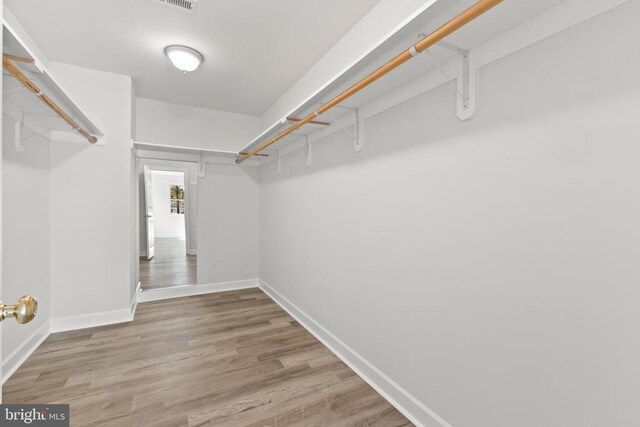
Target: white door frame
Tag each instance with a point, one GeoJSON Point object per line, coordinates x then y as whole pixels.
{"type": "Point", "coordinates": [147, 178]}
{"type": "Point", "coordinates": [187, 211]}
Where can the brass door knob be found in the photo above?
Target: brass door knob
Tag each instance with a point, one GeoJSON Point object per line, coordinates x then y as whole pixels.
{"type": "Point", "coordinates": [24, 310]}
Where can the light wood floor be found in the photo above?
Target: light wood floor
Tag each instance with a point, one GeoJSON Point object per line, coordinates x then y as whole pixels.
{"type": "Point", "coordinates": [170, 266]}
{"type": "Point", "coordinates": [225, 359]}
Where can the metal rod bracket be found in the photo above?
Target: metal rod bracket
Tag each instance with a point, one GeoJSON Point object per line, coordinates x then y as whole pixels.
{"type": "Point", "coordinates": [18, 133]}
{"type": "Point", "coordinates": [358, 141]}
{"type": "Point", "coordinates": [307, 152]}
{"type": "Point", "coordinates": [278, 163]}
{"type": "Point", "coordinates": [466, 81]}
{"type": "Point", "coordinates": [358, 128]}
{"type": "Point", "coordinates": [201, 167]}
{"type": "Point", "coordinates": [307, 148]}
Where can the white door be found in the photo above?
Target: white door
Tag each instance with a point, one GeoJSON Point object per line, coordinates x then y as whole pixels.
{"type": "Point", "coordinates": [148, 208]}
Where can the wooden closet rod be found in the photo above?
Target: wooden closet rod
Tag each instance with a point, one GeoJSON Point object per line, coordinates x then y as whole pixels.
{"type": "Point", "coordinates": [26, 82]}
{"type": "Point", "coordinates": [261, 155]}
{"type": "Point", "coordinates": [20, 59]}
{"type": "Point", "coordinates": [313, 122]}
{"type": "Point", "coordinates": [456, 23]}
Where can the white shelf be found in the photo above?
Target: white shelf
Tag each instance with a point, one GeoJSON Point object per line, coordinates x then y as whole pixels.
{"type": "Point", "coordinates": [159, 148]}
{"type": "Point", "coordinates": [18, 100]}
{"type": "Point", "coordinates": [150, 151]}
{"type": "Point", "coordinates": [498, 21]}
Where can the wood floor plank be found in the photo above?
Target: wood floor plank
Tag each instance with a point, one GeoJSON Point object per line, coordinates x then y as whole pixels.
{"type": "Point", "coordinates": [232, 359]}
{"type": "Point", "coordinates": [170, 265]}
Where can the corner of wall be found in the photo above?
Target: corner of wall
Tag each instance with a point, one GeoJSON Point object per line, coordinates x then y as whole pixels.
{"type": "Point", "coordinates": [417, 412]}
{"type": "Point", "coordinates": [13, 361]}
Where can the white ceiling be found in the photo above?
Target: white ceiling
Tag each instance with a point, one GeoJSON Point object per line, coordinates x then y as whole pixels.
{"type": "Point", "coordinates": [254, 49]}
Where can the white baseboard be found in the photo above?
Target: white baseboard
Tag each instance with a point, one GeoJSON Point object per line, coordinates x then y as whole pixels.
{"type": "Point", "coordinates": [190, 252]}
{"type": "Point", "coordinates": [191, 290]}
{"type": "Point", "coordinates": [134, 300]}
{"type": "Point", "coordinates": [11, 363]}
{"type": "Point", "coordinates": [401, 399]}
{"type": "Point", "coordinates": [92, 320]}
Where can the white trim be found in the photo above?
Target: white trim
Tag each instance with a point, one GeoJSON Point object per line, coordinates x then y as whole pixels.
{"type": "Point", "coordinates": [190, 290]}
{"type": "Point", "coordinates": [401, 399]}
{"type": "Point", "coordinates": [193, 252]}
{"type": "Point", "coordinates": [92, 320]}
{"type": "Point", "coordinates": [187, 196]}
{"type": "Point", "coordinates": [11, 363]}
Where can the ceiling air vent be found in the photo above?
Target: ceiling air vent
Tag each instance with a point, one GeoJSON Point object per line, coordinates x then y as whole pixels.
{"type": "Point", "coordinates": [188, 6]}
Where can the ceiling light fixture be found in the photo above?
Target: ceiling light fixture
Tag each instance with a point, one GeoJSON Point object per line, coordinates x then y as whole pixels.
{"type": "Point", "coordinates": [184, 58]}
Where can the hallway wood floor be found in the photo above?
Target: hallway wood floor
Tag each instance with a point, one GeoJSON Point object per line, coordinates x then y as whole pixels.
{"type": "Point", "coordinates": [226, 359]}
{"type": "Point", "coordinates": [170, 266]}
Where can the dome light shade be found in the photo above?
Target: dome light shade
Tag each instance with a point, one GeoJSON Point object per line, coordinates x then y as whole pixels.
{"type": "Point", "coordinates": [184, 58]}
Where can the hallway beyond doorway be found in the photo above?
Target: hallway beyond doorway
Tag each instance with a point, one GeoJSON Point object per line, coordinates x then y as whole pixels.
{"type": "Point", "coordinates": [170, 266]}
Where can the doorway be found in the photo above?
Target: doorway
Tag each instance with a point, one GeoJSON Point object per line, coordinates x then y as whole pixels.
{"type": "Point", "coordinates": [167, 258]}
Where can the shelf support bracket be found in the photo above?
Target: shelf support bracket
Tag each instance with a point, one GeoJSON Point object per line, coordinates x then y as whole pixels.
{"type": "Point", "coordinates": [466, 82]}
{"type": "Point", "coordinates": [17, 134]}
{"type": "Point", "coordinates": [278, 163]}
{"type": "Point", "coordinates": [358, 128]}
{"type": "Point", "coordinates": [358, 143]}
{"type": "Point", "coordinates": [307, 148]}
{"type": "Point", "coordinates": [201, 167]}
{"type": "Point", "coordinates": [307, 151]}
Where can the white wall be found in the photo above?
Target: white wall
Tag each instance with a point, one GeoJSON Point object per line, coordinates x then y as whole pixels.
{"type": "Point", "coordinates": [25, 220]}
{"type": "Point", "coordinates": [90, 190]}
{"type": "Point", "coordinates": [166, 224]}
{"type": "Point", "coordinates": [228, 212]}
{"type": "Point", "coordinates": [178, 125]}
{"type": "Point", "coordinates": [192, 201]}
{"type": "Point", "coordinates": [489, 267]}
{"type": "Point", "coordinates": [135, 214]}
